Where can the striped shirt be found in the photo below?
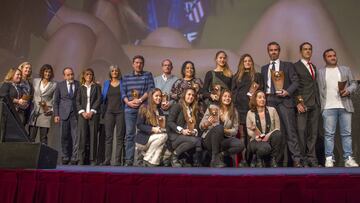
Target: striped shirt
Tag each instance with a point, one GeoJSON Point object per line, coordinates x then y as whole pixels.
{"type": "Point", "coordinates": [143, 83]}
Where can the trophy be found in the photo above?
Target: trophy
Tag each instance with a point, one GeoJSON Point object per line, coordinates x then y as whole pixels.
{"type": "Point", "coordinates": [44, 106]}
{"type": "Point", "coordinates": [253, 88]}
{"type": "Point", "coordinates": [162, 121]}
{"type": "Point", "coordinates": [300, 101]}
{"type": "Point", "coordinates": [216, 90]}
{"type": "Point", "coordinates": [191, 124]}
{"type": "Point", "coordinates": [26, 97]}
{"type": "Point", "coordinates": [195, 86]}
{"type": "Point", "coordinates": [214, 112]}
{"type": "Point", "coordinates": [341, 86]}
{"type": "Point", "coordinates": [135, 94]}
{"type": "Point", "coordinates": [278, 78]}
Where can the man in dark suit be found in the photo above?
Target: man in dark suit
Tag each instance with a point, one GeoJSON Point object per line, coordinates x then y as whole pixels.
{"type": "Point", "coordinates": [283, 100]}
{"type": "Point", "coordinates": [65, 113]}
{"type": "Point", "coordinates": [308, 106]}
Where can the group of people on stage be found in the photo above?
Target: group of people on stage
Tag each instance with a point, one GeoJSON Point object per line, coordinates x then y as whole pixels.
{"type": "Point", "coordinates": [177, 122]}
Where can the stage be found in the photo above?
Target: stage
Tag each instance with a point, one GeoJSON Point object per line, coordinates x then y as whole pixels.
{"type": "Point", "coordinates": [147, 185]}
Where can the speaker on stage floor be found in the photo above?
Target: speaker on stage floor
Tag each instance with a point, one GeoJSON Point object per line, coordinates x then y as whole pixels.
{"type": "Point", "coordinates": [16, 150]}
{"type": "Point", "coordinates": [27, 155]}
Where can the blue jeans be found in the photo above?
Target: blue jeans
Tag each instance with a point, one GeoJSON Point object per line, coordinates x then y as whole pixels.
{"type": "Point", "coordinates": [330, 118]}
{"type": "Point", "coordinates": [130, 123]}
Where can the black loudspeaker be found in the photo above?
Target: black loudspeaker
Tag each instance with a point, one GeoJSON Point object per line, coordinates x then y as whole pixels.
{"type": "Point", "coordinates": [27, 155]}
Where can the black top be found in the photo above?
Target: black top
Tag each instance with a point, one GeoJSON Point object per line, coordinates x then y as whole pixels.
{"type": "Point", "coordinates": [144, 129]}
{"type": "Point", "coordinates": [209, 81]}
{"type": "Point", "coordinates": [114, 102]}
{"type": "Point", "coordinates": [240, 90]}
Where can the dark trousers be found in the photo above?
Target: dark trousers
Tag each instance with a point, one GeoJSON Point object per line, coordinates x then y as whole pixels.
{"type": "Point", "coordinates": [308, 129]}
{"type": "Point", "coordinates": [111, 121]}
{"type": "Point", "coordinates": [287, 125]}
{"type": "Point", "coordinates": [182, 143]}
{"type": "Point", "coordinates": [88, 129]}
{"type": "Point", "coordinates": [43, 134]}
{"type": "Point", "coordinates": [69, 138]}
{"type": "Point", "coordinates": [271, 147]}
{"type": "Point", "coordinates": [216, 142]}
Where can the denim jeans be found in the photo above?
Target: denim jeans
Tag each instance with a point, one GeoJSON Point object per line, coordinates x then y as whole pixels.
{"type": "Point", "coordinates": [130, 126]}
{"type": "Point", "coordinates": [330, 118]}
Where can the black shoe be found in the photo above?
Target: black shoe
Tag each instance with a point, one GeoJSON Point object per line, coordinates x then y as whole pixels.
{"type": "Point", "coordinates": [81, 163]}
{"type": "Point", "coordinates": [216, 161]}
{"type": "Point", "coordinates": [166, 163]}
{"type": "Point", "coordinates": [197, 159]}
{"type": "Point", "coordinates": [243, 164]}
{"type": "Point", "coordinates": [65, 161]}
{"type": "Point", "coordinates": [94, 163]}
{"type": "Point", "coordinates": [148, 164]}
{"type": "Point", "coordinates": [128, 163]}
{"type": "Point", "coordinates": [273, 163]}
{"type": "Point", "coordinates": [105, 163]}
{"type": "Point", "coordinates": [314, 164]}
{"type": "Point", "coordinates": [175, 161]}
{"type": "Point", "coordinates": [74, 162]}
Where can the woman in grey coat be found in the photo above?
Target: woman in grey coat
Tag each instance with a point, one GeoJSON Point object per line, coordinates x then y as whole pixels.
{"type": "Point", "coordinates": [40, 118]}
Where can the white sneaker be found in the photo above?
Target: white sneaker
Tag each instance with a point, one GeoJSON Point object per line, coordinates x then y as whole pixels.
{"type": "Point", "coordinates": [329, 162]}
{"type": "Point", "coordinates": [350, 162]}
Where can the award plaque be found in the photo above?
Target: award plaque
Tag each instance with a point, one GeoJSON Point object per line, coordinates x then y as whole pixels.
{"type": "Point", "coordinates": [214, 112]}
{"type": "Point", "coordinates": [300, 100]}
{"type": "Point", "coordinates": [162, 122]}
{"type": "Point", "coordinates": [278, 78]}
{"type": "Point", "coordinates": [216, 89]}
{"type": "Point", "coordinates": [26, 97]}
{"type": "Point", "coordinates": [191, 124]}
{"type": "Point", "coordinates": [44, 106]}
{"type": "Point", "coordinates": [341, 86]}
{"type": "Point", "coordinates": [253, 88]}
{"type": "Point", "coordinates": [165, 97]}
{"type": "Point", "coordinates": [135, 94]}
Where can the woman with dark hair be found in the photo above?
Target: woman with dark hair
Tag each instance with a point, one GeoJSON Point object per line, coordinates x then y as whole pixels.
{"type": "Point", "coordinates": [244, 83]}
{"type": "Point", "coordinates": [41, 114]}
{"type": "Point", "coordinates": [151, 136]}
{"type": "Point", "coordinates": [220, 125]}
{"type": "Point", "coordinates": [188, 81]}
{"type": "Point", "coordinates": [263, 127]}
{"type": "Point", "coordinates": [88, 100]}
{"type": "Point", "coordinates": [27, 87]}
{"type": "Point", "coordinates": [113, 113]}
{"type": "Point", "coordinates": [12, 90]}
{"type": "Point", "coordinates": [217, 79]}
{"type": "Point", "coordinates": [182, 127]}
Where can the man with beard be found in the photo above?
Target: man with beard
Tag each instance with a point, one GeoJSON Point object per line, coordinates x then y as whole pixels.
{"type": "Point", "coordinates": [336, 105]}
{"type": "Point", "coordinates": [283, 99]}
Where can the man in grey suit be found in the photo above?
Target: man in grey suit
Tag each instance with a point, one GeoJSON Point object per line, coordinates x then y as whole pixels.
{"type": "Point", "coordinates": [336, 105]}
{"type": "Point", "coordinates": [308, 105]}
{"type": "Point", "coordinates": [283, 101]}
{"type": "Point", "coordinates": [65, 113]}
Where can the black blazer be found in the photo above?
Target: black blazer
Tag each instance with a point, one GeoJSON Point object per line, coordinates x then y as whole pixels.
{"type": "Point", "coordinates": [143, 129]}
{"type": "Point", "coordinates": [291, 82]}
{"type": "Point", "coordinates": [308, 88]}
{"type": "Point", "coordinates": [64, 104]}
{"type": "Point", "coordinates": [8, 90]}
{"type": "Point", "coordinates": [95, 98]}
{"type": "Point", "coordinates": [176, 118]}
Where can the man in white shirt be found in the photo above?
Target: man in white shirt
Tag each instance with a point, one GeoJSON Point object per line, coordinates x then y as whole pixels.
{"type": "Point", "coordinates": [336, 105]}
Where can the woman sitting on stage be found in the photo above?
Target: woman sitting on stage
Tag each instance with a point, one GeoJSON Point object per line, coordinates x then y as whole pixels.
{"type": "Point", "coordinates": [263, 127]}
{"type": "Point", "coordinates": [11, 88]}
{"type": "Point", "coordinates": [44, 88]}
{"type": "Point", "coordinates": [88, 100]}
{"type": "Point", "coordinates": [220, 125]}
{"type": "Point", "coordinates": [151, 135]}
{"type": "Point", "coordinates": [182, 127]}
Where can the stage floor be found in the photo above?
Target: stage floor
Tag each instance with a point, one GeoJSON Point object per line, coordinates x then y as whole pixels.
{"type": "Point", "coordinates": [206, 171]}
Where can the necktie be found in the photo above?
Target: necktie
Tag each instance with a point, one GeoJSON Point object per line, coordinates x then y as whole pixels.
{"type": "Point", "coordinates": [71, 91]}
{"type": "Point", "coordinates": [311, 70]}
{"type": "Point", "coordinates": [273, 65]}
{"type": "Point", "coordinates": [272, 89]}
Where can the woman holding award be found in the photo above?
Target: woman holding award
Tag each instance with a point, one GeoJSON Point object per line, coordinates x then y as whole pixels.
{"type": "Point", "coordinates": [217, 79]}
{"type": "Point", "coordinates": [12, 90]}
{"type": "Point", "coordinates": [151, 134]}
{"type": "Point", "coordinates": [182, 127]}
{"type": "Point", "coordinates": [41, 114]}
{"type": "Point", "coordinates": [263, 127]}
{"type": "Point", "coordinates": [244, 83]}
{"type": "Point", "coordinates": [220, 125]}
